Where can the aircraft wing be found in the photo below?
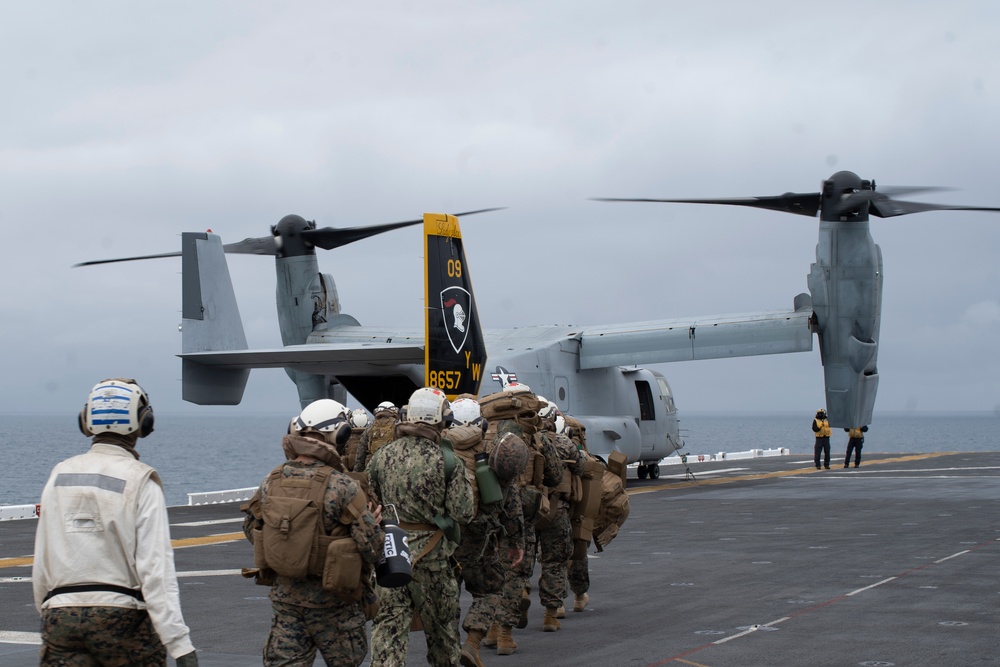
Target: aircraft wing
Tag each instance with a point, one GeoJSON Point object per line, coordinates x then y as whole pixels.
{"type": "Point", "coordinates": [711, 337]}
{"type": "Point", "coordinates": [353, 358]}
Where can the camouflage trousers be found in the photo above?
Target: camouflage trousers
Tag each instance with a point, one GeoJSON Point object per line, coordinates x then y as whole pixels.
{"type": "Point", "coordinates": [516, 580]}
{"type": "Point", "coordinates": [579, 576]}
{"type": "Point", "coordinates": [100, 636]}
{"type": "Point", "coordinates": [298, 632]}
{"type": "Point", "coordinates": [482, 572]}
{"type": "Point", "coordinates": [433, 594]}
{"type": "Point", "coordinates": [555, 546]}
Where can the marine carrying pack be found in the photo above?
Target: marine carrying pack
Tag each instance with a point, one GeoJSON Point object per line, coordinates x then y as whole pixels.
{"type": "Point", "coordinates": [382, 431]}
{"type": "Point", "coordinates": [604, 505]}
{"type": "Point", "coordinates": [289, 537]}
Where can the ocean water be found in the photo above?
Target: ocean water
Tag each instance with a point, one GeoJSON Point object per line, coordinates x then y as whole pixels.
{"type": "Point", "coordinates": [215, 452]}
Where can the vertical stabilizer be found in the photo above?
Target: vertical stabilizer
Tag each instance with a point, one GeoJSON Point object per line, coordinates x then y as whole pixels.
{"type": "Point", "coordinates": [454, 350]}
{"type": "Point", "coordinates": [211, 322]}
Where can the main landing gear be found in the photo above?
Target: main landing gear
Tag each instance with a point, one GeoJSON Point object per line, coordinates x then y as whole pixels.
{"type": "Point", "coordinates": [652, 470]}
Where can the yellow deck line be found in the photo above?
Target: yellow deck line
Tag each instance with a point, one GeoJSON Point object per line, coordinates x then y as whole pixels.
{"type": "Point", "coordinates": [177, 544]}
{"type": "Point", "coordinates": [780, 473]}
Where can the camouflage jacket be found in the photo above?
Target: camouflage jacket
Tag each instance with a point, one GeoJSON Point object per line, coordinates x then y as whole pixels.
{"type": "Point", "coordinates": [340, 490]}
{"type": "Point", "coordinates": [408, 473]}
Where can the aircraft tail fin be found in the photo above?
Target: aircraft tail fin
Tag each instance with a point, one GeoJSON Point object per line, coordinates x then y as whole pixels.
{"type": "Point", "coordinates": [454, 350]}
{"type": "Point", "coordinates": [211, 322]}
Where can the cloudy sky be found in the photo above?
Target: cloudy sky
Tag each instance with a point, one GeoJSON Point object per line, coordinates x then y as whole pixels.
{"type": "Point", "coordinates": [125, 124]}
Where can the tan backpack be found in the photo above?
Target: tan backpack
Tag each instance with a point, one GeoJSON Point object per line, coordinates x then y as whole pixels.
{"type": "Point", "coordinates": [289, 538]}
{"type": "Point", "coordinates": [383, 431]}
{"type": "Point", "coordinates": [614, 508]}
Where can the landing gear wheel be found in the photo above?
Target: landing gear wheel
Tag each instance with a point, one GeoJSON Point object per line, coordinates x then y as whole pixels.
{"type": "Point", "coordinates": [654, 470]}
{"type": "Point", "coordinates": [641, 471]}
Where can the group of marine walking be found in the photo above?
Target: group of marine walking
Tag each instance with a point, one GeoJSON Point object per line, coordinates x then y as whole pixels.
{"type": "Point", "coordinates": [377, 519]}
{"type": "Point", "coordinates": [468, 493]}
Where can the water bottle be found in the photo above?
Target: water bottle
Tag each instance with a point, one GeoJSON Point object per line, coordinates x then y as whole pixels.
{"type": "Point", "coordinates": [487, 481]}
{"type": "Point", "coordinates": [393, 568]}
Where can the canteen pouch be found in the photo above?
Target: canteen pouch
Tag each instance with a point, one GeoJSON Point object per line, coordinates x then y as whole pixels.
{"type": "Point", "coordinates": [342, 568]}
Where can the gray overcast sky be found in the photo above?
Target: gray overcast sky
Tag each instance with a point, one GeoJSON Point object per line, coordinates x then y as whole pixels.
{"type": "Point", "coordinates": [124, 124]}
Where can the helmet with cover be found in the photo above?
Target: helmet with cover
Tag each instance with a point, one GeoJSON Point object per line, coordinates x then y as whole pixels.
{"type": "Point", "coordinates": [428, 405]}
{"type": "Point", "coordinates": [117, 405]}
{"type": "Point", "coordinates": [509, 457]}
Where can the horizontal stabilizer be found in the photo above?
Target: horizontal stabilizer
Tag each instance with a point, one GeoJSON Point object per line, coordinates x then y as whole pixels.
{"type": "Point", "coordinates": [714, 337]}
{"type": "Point", "coordinates": [322, 359]}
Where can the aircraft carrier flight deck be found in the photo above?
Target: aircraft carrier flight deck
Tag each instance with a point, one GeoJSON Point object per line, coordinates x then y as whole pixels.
{"type": "Point", "coordinates": [739, 563]}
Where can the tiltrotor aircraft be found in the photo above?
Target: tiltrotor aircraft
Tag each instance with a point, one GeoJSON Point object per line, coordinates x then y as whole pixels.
{"type": "Point", "coordinates": [590, 372]}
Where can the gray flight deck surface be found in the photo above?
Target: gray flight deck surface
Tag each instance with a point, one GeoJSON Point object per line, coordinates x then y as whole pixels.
{"type": "Point", "coordinates": [759, 562]}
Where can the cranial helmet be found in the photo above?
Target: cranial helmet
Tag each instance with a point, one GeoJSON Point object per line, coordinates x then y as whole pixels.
{"type": "Point", "coordinates": [430, 406]}
{"type": "Point", "coordinates": [549, 410]}
{"type": "Point", "coordinates": [117, 405]}
{"type": "Point", "coordinates": [359, 418]}
{"type": "Point", "coordinates": [385, 405]}
{"type": "Point", "coordinates": [820, 412]}
{"type": "Point", "coordinates": [467, 412]}
{"type": "Point", "coordinates": [326, 416]}
{"type": "Point", "coordinates": [560, 424]}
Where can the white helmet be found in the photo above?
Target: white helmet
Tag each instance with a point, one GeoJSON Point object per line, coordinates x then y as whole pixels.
{"type": "Point", "coordinates": [117, 406]}
{"type": "Point", "coordinates": [517, 388]}
{"type": "Point", "coordinates": [385, 405]}
{"type": "Point", "coordinates": [428, 405]}
{"type": "Point", "coordinates": [549, 410]}
{"type": "Point", "coordinates": [359, 418]}
{"type": "Point", "coordinates": [467, 412]}
{"type": "Point", "coordinates": [560, 424]}
{"type": "Point", "coordinates": [326, 416]}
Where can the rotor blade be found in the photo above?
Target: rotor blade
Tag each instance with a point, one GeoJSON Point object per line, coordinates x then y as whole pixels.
{"type": "Point", "coordinates": [329, 238]}
{"type": "Point", "coordinates": [890, 208]}
{"type": "Point", "coordinates": [261, 245]}
{"type": "Point", "coordinates": [790, 202]}
{"type": "Point", "coordinates": [126, 259]}
{"type": "Point", "coordinates": [893, 190]}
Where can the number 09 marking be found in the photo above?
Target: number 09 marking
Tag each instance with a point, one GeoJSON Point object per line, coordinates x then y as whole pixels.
{"type": "Point", "coordinates": [454, 268]}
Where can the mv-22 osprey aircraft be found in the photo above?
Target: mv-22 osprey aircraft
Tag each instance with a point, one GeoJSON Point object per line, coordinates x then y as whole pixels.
{"type": "Point", "coordinates": [590, 372]}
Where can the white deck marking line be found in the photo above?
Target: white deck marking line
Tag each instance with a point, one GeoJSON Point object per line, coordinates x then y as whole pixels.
{"type": "Point", "coordinates": [208, 573]}
{"type": "Point", "coordinates": [213, 522]}
{"type": "Point", "coordinates": [12, 637]}
{"type": "Point", "coordinates": [877, 583]}
{"type": "Point", "coordinates": [952, 556]}
{"type": "Point", "coordinates": [754, 628]}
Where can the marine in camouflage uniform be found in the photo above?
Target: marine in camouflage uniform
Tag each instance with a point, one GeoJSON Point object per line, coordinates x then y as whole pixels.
{"type": "Point", "coordinates": [578, 571]}
{"type": "Point", "coordinates": [511, 611]}
{"type": "Point", "coordinates": [480, 564]}
{"type": "Point", "coordinates": [555, 535]}
{"type": "Point", "coordinates": [306, 616]}
{"type": "Point", "coordinates": [409, 473]}
{"type": "Point", "coordinates": [385, 419]}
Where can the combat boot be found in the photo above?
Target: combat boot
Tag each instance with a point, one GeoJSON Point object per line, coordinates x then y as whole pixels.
{"type": "Point", "coordinates": [550, 623]}
{"type": "Point", "coordinates": [522, 621]}
{"type": "Point", "coordinates": [491, 636]}
{"type": "Point", "coordinates": [561, 612]}
{"type": "Point", "coordinates": [580, 602]}
{"type": "Point", "coordinates": [470, 650]}
{"type": "Point", "coordinates": [505, 640]}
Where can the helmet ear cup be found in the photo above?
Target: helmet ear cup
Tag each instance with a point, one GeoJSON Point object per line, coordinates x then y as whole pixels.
{"type": "Point", "coordinates": [82, 422]}
{"type": "Point", "coordinates": [145, 417]}
{"type": "Point", "coordinates": [343, 434]}
{"type": "Point", "coordinates": [485, 424]}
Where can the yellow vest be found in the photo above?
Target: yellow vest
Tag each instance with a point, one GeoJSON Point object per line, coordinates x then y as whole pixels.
{"type": "Point", "coordinates": [855, 433]}
{"type": "Point", "coordinates": [824, 428]}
